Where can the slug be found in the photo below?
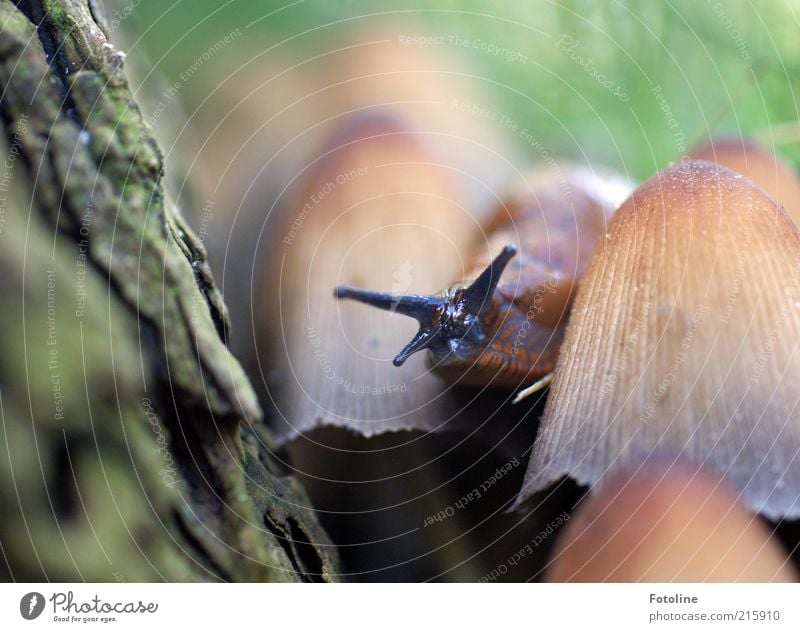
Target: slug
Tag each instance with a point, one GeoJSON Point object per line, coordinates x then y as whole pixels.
{"type": "Point", "coordinates": [503, 324]}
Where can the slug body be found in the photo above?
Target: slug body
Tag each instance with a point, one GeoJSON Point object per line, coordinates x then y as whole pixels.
{"type": "Point", "coordinates": [504, 324]}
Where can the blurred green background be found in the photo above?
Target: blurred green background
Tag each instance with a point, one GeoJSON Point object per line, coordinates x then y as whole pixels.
{"type": "Point", "coordinates": [721, 66]}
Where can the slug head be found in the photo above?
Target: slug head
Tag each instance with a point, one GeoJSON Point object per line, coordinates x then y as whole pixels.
{"type": "Point", "coordinates": [450, 323]}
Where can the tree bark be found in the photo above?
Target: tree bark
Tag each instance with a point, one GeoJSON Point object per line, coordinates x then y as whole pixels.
{"type": "Point", "coordinates": [135, 447]}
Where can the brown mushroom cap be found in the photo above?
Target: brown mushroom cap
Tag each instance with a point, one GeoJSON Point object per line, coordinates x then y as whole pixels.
{"type": "Point", "coordinates": [684, 342]}
{"type": "Point", "coordinates": [666, 525]}
{"type": "Point", "coordinates": [754, 161]}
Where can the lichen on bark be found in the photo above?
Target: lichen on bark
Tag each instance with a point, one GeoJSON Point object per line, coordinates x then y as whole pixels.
{"type": "Point", "coordinates": [140, 344]}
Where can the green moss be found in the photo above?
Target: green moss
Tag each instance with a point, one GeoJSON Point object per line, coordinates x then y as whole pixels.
{"type": "Point", "coordinates": [57, 15]}
{"type": "Point", "coordinates": [141, 282]}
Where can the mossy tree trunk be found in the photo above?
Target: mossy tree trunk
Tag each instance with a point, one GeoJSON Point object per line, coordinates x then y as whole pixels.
{"type": "Point", "coordinates": [133, 444]}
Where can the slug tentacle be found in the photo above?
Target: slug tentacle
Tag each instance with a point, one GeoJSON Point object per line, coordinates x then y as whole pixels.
{"type": "Point", "coordinates": [478, 296]}
{"type": "Point", "coordinates": [450, 323]}
{"type": "Point", "coordinates": [421, 341]}
{"type": "Point", "coordinates": [422, 308]}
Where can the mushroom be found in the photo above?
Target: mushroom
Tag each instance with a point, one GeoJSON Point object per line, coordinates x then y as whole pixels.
{"type": "Point", "coordinates": [684, 344]}
{"type": "Point", "coordinates": [667, 525]}
{"type": "Point", "coordinates": [746, 156]}
{"type": "Point", "coordinates": [376, 210]}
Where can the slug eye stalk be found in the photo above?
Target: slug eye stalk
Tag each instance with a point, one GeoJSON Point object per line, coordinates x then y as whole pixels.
{"type": "Point", "coordinates": [446, 321]}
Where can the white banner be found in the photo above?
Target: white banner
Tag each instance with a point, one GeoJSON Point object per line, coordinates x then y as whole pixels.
{"type": "Point", "coordinates": [401, 607]}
